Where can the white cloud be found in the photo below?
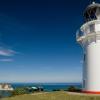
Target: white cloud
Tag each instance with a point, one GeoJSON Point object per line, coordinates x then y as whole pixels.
{"type": "Point", "coordinates": [6, 60]}
{"type": "Point", "coordinates": [7, 52]}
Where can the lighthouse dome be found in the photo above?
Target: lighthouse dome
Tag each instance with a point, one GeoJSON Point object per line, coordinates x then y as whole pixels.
{"type": "Point", "coordinates": [92, 12]}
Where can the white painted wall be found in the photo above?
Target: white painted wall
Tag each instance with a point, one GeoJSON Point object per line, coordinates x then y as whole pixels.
{"type": "Point", "coordinates": [91, 68]}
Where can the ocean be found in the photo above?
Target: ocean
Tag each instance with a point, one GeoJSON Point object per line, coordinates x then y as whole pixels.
{"type": "Point", "coordinates": [47, 86]}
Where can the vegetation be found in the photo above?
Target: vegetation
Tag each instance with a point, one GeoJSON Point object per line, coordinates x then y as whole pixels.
{"type": "Point", "coordinates": [73, 89]}
{"type": "Point", "coordinates": [25, 90]}
{"type": "Point", "coordinates": [57, 90]}
{"type": "Point", "coordinates": [19, 91]}
{"type": "Point", "coordinates": [60, 95]}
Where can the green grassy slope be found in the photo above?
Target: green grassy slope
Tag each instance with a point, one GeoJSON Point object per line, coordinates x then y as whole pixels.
{"type": "Point", "coordinates": [52, 96]}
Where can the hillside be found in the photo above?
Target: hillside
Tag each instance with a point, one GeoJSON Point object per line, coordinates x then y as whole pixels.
{"type": "Point", "coordinates": [54, 96]}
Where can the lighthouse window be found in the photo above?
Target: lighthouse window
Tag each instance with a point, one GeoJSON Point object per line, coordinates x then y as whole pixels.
{"type": "Point", "coordinates": [98, 13]}
{"type": "Point", "coordinates": [90, 14]}
{"type": "Point", "coordinates": [83, 83]}
{"type": "Point", "coordinates": [93, 14]}
{"type": "Point", "coordinates": [92, 28]}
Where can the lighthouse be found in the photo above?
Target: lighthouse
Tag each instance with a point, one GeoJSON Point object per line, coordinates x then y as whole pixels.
{"type": "Point", "coordinates": [88, 36]}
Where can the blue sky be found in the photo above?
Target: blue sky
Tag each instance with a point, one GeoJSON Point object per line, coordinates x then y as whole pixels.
{"type": "Point", "coordinates": [37, 40]}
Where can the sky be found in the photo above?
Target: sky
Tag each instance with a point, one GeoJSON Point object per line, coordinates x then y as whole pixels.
{"type": "Point", "coordinates": [38, 40]}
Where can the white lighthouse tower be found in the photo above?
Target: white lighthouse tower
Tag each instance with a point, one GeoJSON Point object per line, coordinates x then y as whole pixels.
{"type": "Point", "coordinates": [88, 36]}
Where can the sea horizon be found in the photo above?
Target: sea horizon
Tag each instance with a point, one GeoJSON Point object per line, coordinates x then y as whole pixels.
{"type": "Point", "coordinates": [47, 82]}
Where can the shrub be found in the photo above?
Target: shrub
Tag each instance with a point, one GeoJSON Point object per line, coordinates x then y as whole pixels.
{"type": "Point", "coordinates": [19, 91]}
{"type": "Point", "coordinates": [73, 89]}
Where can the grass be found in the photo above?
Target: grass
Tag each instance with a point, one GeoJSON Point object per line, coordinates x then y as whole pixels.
{"type": "Point", "coordinates": [53, 96]}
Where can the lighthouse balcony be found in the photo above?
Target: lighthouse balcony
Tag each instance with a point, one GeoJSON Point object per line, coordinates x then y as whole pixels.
{"type": "Point", "coordinates": [88, 31]}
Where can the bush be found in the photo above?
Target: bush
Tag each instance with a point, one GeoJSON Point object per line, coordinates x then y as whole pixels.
{"type": "Point", "coordinates": [56, 89]}
{"type": "Point", "coordinates": [25, 90]}
{"type": "Point", "coordinates": [19, 91]}
{"type": "Point", "coordinates": [73, 89]}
